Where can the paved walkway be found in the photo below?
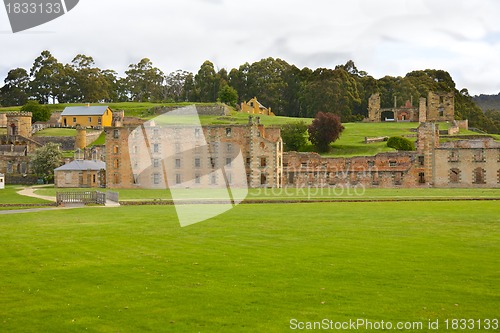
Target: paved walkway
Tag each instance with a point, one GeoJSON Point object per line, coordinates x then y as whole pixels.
{"type": "Point", "coordinates": [31, 210]}
{"type": "Point", "coordinates": [30, 192]}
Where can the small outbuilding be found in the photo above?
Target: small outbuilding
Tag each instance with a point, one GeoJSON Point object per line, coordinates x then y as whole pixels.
{"type": "Point", "coordinates": [81, 173]}
{"type": "Point", "coordinates": [2, 181]}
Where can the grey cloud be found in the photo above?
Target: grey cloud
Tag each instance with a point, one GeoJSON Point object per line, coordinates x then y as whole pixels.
{"type": "Point", "coordinates": [308, 58]}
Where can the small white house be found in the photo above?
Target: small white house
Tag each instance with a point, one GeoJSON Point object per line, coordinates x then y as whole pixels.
{"type": "Point", "coordinates": [2, 181]}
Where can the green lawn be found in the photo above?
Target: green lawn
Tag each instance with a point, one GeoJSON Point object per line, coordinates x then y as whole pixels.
{"type": "Point", "coordinates": [252, 269]}
{"type": "Point", "coordinates": [9, 196]}
{"type": "Point", "coordinates": [57, 132]}
{"type": "Point", "coordinates": [101, 140]}
{"type": "Point", "coordinates": [352, 140]}
{"type": "Point", "coordinates": [339, 193]}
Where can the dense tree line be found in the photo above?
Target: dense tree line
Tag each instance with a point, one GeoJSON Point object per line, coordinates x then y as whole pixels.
{"type": "Point", "coordinates": [289, 90]}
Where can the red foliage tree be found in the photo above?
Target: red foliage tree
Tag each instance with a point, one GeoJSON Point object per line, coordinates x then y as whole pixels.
{"type": "Point", "coordinates": [325, 129]}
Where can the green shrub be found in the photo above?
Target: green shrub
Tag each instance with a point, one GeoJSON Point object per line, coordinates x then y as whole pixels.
{"type": "Point", "coordinates": [400, 143]}
{"type": "Point", "coordinates": [40, 112]}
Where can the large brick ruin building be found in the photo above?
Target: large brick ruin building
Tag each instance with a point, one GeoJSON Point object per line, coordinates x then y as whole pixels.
{"type": "Point", "coordinates": [154, 156]}
{"type": "Point", "coordinates": [186, 158]}
{"type": "Point", "coordinates": [462, 163]}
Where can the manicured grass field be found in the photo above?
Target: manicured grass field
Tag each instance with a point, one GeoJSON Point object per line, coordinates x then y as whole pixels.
{"type": "Point", "coordinates": [9, 196]}
{"type": "Point", "coordinates": [252, 269]}
{"type": "Point", "coordinates": [57, 132]}
{"type": "Point", "coordinates": [339, 193]}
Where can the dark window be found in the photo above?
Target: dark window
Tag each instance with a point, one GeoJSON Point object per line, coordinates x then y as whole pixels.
{"type": "Point", "coordinates": [421, 160]}
{"type": "Point", "coordinates": [421, 178]}
{"type": "Point", "coordinates": [263, 179]}
{"type": "Point", "coordinates": [397, 178]}
{"type": "Point", "coordinates": [454, 175]}
{"type": "Point", "coordinates": [197, 162]}
{"type": "Point", "coordinates": [116, 134]}
{"type": "Point", "coordinates": [479, 176]}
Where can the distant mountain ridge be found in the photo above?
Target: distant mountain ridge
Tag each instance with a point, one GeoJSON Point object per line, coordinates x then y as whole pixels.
{"type": "Point", "coordinates": [487, 102]}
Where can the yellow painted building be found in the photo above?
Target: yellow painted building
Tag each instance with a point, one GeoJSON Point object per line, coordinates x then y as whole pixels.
{"type": "Point", "coordinates": [253, 106]}
{"type": "Point", "coordinates": [87, 116]}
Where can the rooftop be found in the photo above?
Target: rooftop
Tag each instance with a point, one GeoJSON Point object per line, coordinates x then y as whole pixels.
{"type": "Point", "coordinates": [84, 110]}
{"type": "Point", "coordinates": [81, 165]}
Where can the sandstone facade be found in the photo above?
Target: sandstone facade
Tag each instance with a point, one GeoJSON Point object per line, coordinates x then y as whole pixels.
{"type": "Point", "coordinates": [152, 156]}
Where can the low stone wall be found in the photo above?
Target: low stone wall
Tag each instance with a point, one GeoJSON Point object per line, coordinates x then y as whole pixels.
{"type": "Point", "coordinates": [463, 124]}
{"type": "Point", "coordinates": [17, 179]}
{"type": "Point", "coordinates": [50, 204]}
{"type": "Point", "coordinates": [66, 142]}
{"type": "Point", "coordinates": [453, 130]}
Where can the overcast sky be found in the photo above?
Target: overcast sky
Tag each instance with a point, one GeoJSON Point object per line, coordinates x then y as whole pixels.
{"type": "Point", "coordinates": [383, 37]}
